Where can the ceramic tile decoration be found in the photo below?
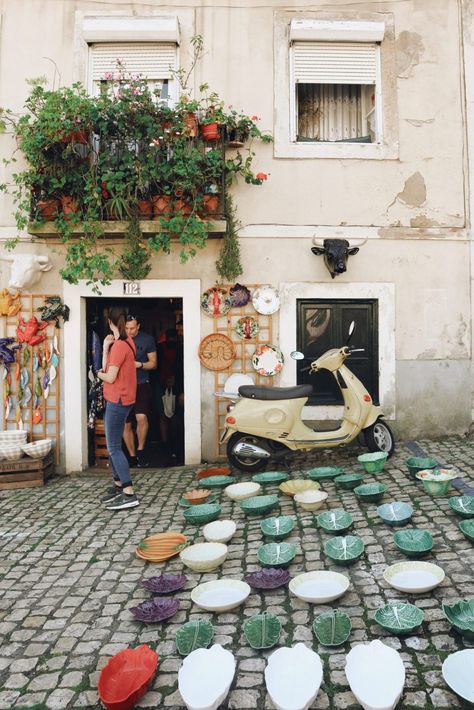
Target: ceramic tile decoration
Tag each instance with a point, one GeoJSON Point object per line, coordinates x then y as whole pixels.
{"type": "Point", "coordinates": [266, 300]}
{"type": "Point", "coordinates": [414, 577]}
{"type": "Point", "coordinates": [458, 672]}
{"type": "Point", "coordinates": [293, 677]}
{"type": "Point", "coordinates": [216, 301]}
{"type": "Point", "coordinates": [376, 675]}
{"type": "Point", "coordinates": [205, 677]}
{"type": "Point", "coordinates": [267, 360]}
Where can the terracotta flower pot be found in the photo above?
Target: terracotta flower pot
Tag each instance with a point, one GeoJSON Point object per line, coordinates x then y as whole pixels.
{"type": "Point", "coordinates": [210, 204]}
{"type": "Point", "coordinates": [48, 209]}
{"type": "Point", "coordinates": [145, 209]}
{"type": "Point", "coordinates": [210, 131]}
{"type": "Point", "coordinates": [190, 124]}
{"type": "Point", "coordinates": [70, 206]}
{"type": "Point", "coordinates": [161, 205]}
{"type": "Point", "coordinates": [182, 205]}
{"type": "Point", "coordinates": [81, 136]}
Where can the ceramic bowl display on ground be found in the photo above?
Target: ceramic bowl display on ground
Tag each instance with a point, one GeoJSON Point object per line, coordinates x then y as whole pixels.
{"type": "Point", "coordinates": [37, 449]}
{"type": "Point", "coordinates": [458, 672]}
{"type": "Point", "coordinates": [374, 461]}
{"type": "Point", "coordinates": [437, 481]}
{"type": "Point", "coordinates": [193, 635]}
{"type": "Point", "coordinates": [335, 521]}
{"type": "Point", "coordinates": [298, 485]}
{"type": "Point", "coordinates": [413, 542]}
{"type": "Point", "coordinates": [414, 577]}
{"type": "Point", "coordinates": [399, 617]}
{"type": "Point", "coordinates": [277, 528]}
{"type": "Point", "coordinates": [270, 477]}
{"type": "Point", "coordinates": [396, 513]}
{"type": "Point", "coordinates": [461, 617]}
{"type": "Point", "coordinates": [126, 677]}
{"type": "Point", "coordinates": [349, 481]}
{"type": "Point", "coordinates": [318, 474]}
{"type": "Point", "coordinates": [467, 528]}
{"type": "Point", "coordinates": [418, 463]}
{"type": "Point", "coordinates": [376, 675]}
{"type": "Point", "coordinates": [205, 513]}
{"type": "Point", "coordinates": [259, 505]}
{"type": "Point", "coordinates": [205, 677]}
{"type": "Point", "coordinates": [344, 550]}
{"type": "Point", "coordinates": [209, 472]}
{"type": "Point", "coordinates": [195, 497]}
{"type": "Point", "coordinates": [165, 583]}
{"type": "Point", "coordinates": [310, 500]}
{"type": "Point", "coordinates": [293, 677]}
{"type": "Point", "coordinates": [320, 586]}
{"type": "Point", "coordinates": [216, 482]}
{"type": "Point", "coordinates": [220, 595]}
{"type": "Point", "coordinates": [462, 505]}
{"type": "Point", "coordinates": [219, 531]}
{"type": "Point", "coordinates": [186, 504]}
{"type": "Point", "coordinates": [241, 491]}
{"type": "Point", "coordinates": [268, 578]}
{"type": "Point", "coordinates": [276, 554]}
{"type": "Point", "coordinates": [154, 610]}
{"type": "Point", "coordinates": [262, 630]}
{"type": "Point", "coordinates": [204, 556]}
{"type": "Point", "coordinates": [370, 492]}
{"type": "Point", "coordinates": [332, 628]}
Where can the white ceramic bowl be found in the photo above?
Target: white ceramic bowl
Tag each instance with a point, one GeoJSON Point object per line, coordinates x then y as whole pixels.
{"type": "Point", "coordinates": [204, 556]}
{"type": "Point", "coordinates": [310, 500]}
{"type": "Point", "coordinates": [10, 452]}
{"type": "Point", "coordinates": [220, 595]}
{"type": "Point", "coordinates": [293, 677]}
{"type": "Point", "coordinates": [458, 671]}
{"type": "Point", "coordinates": [205, 677]}
{"type": "Point", "coordinates": [320, 586]}
{"type": "Point", "coordinates": [219, 531]}
{"type": "Point", "coordinates": [376, 675]}
{"type": "Point", "coordinates": [414, 577]}
{"type": "Point", "coordinates": [241, 491]}
{"type": "Point", "coordinates": [37, 449]}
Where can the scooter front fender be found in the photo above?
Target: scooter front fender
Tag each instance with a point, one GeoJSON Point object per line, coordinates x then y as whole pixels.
{"type": "Point", "coordinates": [372, 416]}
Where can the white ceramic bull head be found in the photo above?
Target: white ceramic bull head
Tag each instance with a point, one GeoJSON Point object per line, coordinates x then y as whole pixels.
{"type": "Point", "coordinates": [26, 269]}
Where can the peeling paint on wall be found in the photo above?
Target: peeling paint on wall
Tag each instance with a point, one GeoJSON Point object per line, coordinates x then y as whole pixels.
{"type": "Point", "coordinates": [410, 49]}
{"type": "Point", "coordinates": [422, 220]}
{"type": "Point", "coordinates": [414, 191]}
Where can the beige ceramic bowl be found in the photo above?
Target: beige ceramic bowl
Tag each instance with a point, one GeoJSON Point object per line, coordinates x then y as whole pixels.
{"type": "Point", "coordinates": [219, 531]}
{"type": "Point", "coordinates": [298, 485]}
{"type": "Point", "coordinates": [241, 491]}
{"type": "Point", "coordinates": [310, 500]}
{"type": "Point", "coordinates": [204, 556]}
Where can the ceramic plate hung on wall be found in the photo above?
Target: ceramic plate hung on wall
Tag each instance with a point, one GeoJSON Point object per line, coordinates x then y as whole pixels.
{"type": "Point", "coordinates": [240, 295]}
{"type": "Point", "coordinates": [267, 360]}
{"type": "Point", "coordinates": [247, 327]}
{"type": "Point", "coordinates": [266, 300]}
{"type": "Point", "coordinates": [216, 352]}
{"type": "Point", "coordinates": [216, 301]}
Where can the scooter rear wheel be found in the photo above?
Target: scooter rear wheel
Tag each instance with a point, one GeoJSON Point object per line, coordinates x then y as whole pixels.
{"type": "Point", "coordinates": [379, 437]}
{"type": "Point", "coordinates": [244, 463]}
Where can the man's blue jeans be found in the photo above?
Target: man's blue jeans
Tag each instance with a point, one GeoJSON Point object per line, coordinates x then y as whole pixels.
{"type": "Point", "coordinates": [115, 416]}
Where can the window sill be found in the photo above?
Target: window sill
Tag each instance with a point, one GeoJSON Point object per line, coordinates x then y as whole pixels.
{"type": "Point", "coordinates": [339, 151]}
{"type": "Point", "coordinates": [117, 228]}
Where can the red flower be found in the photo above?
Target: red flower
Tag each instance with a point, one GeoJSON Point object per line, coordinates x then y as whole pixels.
{"type": "Point", "coordinates": [105, 194]}
{"type": "Point", "coordinates": [261, 176]}
{"type": "Point", "coordinates": [103, 185]}
{"type": "Point", "coordinates": [254, 118]}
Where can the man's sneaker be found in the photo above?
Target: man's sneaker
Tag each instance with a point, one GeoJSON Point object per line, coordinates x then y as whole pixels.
{"type": "Point", "coordinates": [111, 493]}
{"type": "Point", "coordinates": [123, 501]}
{"type": "Point", "coordinates": [142, 461]}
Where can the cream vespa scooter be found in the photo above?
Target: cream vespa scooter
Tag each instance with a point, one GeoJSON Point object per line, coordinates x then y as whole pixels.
{"type": "Point", "coordinates": [266, 421]}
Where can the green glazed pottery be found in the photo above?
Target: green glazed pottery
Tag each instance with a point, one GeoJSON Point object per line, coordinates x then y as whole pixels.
{"type": "Point", "coordinates": [186, 504]}
{"type": "Point", "coordinates": [334, 521]}
{"type": "Point", "coordinates": [462, 505]}
{"type": "Point", "coordinates": [349, 481]}
{"type": "Point", "coordinates": [262, 630]}
{"type": "Point", "coordinates": [270, 477]}
{"type": "Point", "coordinates": [396, 513]}
{"type": "Point", "coordinates": [461, 617]}
{"type": "Point", "coordinates": [467, 529]}
{"type": "Point", "coordinates": [216, 481]}
{"type": "Point", "coordinates": [344, 550]}
{"type": "Point", "coordinates": [417, 463]}
{"type": "Point", "coordinates": [278, 527]}
{"type": "Point", "coordinates": [204, 513]}
{"type": "Point", "coordinates": [276, 554]}
{"type": "Point", "coordinates": [259, 505]}
{"type": "Point", "coordinates": [374, 461]}
{"type": "Point", "coordinates": [399, 617]}
{"type": "Point", "coordinates": [332, 628]}
{"type": "Point", "coordinates": [316, 474]}
{"type": "Point", "coordinates": [193, 635]}
{"type": "Point", "coordinates": [413, 542]}
{"type": "Point", "coordinates": [437, 481]}
{"type": "Point", "coordinates": [370, 492]}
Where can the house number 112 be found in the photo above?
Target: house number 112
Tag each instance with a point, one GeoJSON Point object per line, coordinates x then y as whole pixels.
{"type": "Point", "coordinates": [131, 288]}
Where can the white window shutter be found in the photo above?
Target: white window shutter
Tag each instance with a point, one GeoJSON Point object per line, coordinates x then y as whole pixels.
{"type": "Point", "coordinates": [334, 62]}
{"type": "Point", "coordinates": [152, 61]}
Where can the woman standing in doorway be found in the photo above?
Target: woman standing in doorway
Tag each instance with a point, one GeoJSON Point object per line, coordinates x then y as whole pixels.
{"type": "Point", "coordinates": [119, 376]}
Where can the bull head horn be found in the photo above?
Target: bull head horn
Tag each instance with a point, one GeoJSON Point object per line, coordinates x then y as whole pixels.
{"type": "Point", "coordinates": [319, 241]}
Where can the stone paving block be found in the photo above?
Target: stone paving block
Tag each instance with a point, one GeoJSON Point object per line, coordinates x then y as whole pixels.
{"type": "Point", "coordinates": [7, 698]}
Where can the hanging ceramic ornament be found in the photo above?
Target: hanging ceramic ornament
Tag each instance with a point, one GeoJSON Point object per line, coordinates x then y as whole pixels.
{"type": "Point", "coordinates": [18, 417]}
{"type": "Point", "coordinates": [8, 403]}
{"type": "Point", "coordinates": [46, 379]}
{"type": "Point", "coordinates": [47, 352]}
{"type": "Point", "coordinates": [17, 371]}
{"type": "Point", "coordinates": [54, 360]}
{"type": "Point", "coordinates": [46, 392]}
{"type": "Point", "coordinates": [35, 401]}
{"type": "Point", "coordinates": [20, 393]}
{"type": "Point", "coordinates": [24, 377]}
{"type": "Point", "coordinates": [5, 372]}
{"type": "Point", "coordinates": [37, 415]}
{"type": "Point", "coordinates": [43, 360]}
{"type": "Point", "coordinates": [55, 345]}
{"type": "Point", "coordinates": [6, 388]}
{"type": "Point", "coordinates": [52, 373]}
{"type": "Point", "coordinates": [38, 387]}
{"type": "Point", "coordinates": [35, 362]}
{"type": "Point", "coordinates": [26, 397]}
{"type": "Point", "coordinates": [26, 356]}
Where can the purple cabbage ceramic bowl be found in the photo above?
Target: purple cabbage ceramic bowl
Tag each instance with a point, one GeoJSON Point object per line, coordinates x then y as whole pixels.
{"type": "Point", "coordinates": [165, 583]}
{"type": "Point", "coordinates": [268, 578]}
{"type": "Point", "coordinates": [154, 610]}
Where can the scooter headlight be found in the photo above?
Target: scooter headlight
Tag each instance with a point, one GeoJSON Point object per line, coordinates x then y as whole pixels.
{"type": "Point", "coordinates": [230, 407]}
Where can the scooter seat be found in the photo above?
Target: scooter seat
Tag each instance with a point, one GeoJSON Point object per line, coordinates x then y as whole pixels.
{"type": "Point", "coordinates": [255, 392]}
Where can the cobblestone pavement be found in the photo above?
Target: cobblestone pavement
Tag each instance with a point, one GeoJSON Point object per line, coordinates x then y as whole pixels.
{"type": "Point", "coordinates": [69, 575]}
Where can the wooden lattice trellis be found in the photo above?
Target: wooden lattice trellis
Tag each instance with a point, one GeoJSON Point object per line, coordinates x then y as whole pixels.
{"type": "Point", "coordinates": [243, 363]}
{"type": "Point", "coordinates": [49, 426]}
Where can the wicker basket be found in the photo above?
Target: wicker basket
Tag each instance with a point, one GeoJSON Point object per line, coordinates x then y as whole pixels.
{"type": "Point", "coordinates": [37, 449]}
{"type": "Point", "coordinates": [217, 352]}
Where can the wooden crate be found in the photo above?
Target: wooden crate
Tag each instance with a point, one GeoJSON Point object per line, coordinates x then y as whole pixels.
{"type": "Point", "coordinates": [100, 446]}
{"type": "Point", "coordinates": [25, 473]}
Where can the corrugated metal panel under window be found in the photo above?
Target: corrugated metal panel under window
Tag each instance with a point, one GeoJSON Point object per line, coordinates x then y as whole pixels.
{"type": "Point", "coordinates": [334, 62]}
{"type": "Point", "coordinates": [151, 60]}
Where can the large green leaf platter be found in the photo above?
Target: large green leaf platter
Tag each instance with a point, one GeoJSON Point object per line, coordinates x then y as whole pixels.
{"type": "Point", "coordinates": [399, 617]}
{"type": "Point", "coordinates": [332, 628]}
{"type": "Point", "coordinates": [262, 630]}
{"type": "Point", "coordinates": [193, 635]}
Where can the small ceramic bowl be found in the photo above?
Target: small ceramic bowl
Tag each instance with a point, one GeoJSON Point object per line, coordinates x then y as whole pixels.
{"type": "Point", "coordinates": [349, 481]}
{"type": "Point", "coordinates": [276, 554]}
{"type": "Point", "coordinates": [458, 671]}
{"type": "Point", "coordinates": [220, 595]}
{"type": "Point", "coordinates": [417, 463]}
{"type": "Point", "coordinates": [298, 485]}
{"type": "Point", "coordinates": [344, 550]}
{"type": "Point", "coordinates": [320, 586]}
{"type": "Point", "coordinates": [209, 472]}
{"type": "Point", "coordinates": [437, 481]}
{"type": "Point", "coordinates": [216, 481]}
{"type": "Point", "coordinates": [270, 477]}
{"type": "Point", "coordinates": [373, 462]}
{"type": "Point", "coordinates": [414, 577]}
{"type": "Point", "coordinates": [203, 513]}
{"type": "Point", "coordinates": [241, 491]}
{"type": "Point", "coordinates": [259, 505]}
{"type": "Point", "coordinates": [219, 531]}
{"type": "Point", "coordinates": [467, 529]}
{"type": "Point", "coordinates": [461, 617]}
{"type": "Point", "coordinates": [335, 521]}
{"type": "Point", "coordinates": [204, 556]}
{"type": "Point", "coordinates": [310, 500]}
{"type": "Point", "coordinates": [195, 497]}
{"type": "Point", "coordinates": [317, 474]}
{"type": "Point", "coordinates": [413, 542]}
{"type": "Point", "coordinates": [462, 505]}
{"type": "Point", "coordinates": [370, 492]}
{"type": "Point", "coordinates": [277, 528]}
{"type": "Point", "coordinates": [399, 618]}
{"type": "Point", "coordinates": [395, 513]}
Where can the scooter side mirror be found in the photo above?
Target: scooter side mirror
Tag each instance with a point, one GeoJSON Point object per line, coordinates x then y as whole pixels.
{"type": "Point", "coordinates": [296, 355]}
{"type": "Point", "coordinates": [352, 328]}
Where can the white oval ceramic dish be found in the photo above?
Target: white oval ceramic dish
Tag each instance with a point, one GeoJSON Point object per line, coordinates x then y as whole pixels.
{"type": "Point", "coordinates": [376, 675]}
{"type": "Point", "coordinates": [220, 594]}
{"type": "Point", "coordinates": [414, 577]}
{"type": "Point", "coordinates": [266, 300]}
{"type": "Point", "coordinates": [458, 672]}
{"type": "Point", "coordinates": [219, 531]}
{"type": "Point", "coordinates": [293, 677]}
{"type": "Point", "coordinates": [241, 491]}
{"type": "Point", "coordinates": [205, 677]}
{"type": "Point", "coordinates": [204, 556]}
{"type": "Point", "coordinates": [310, 500]}
{"type": "Point", "coordinates": [320, 586]}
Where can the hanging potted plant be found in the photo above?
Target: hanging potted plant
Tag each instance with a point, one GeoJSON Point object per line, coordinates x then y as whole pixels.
{"type": "Point", "coordinates": [212, 115]}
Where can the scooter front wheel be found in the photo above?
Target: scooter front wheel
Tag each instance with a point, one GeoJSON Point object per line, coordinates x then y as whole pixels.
{"type": "Point", "coordinates": [379, 437]}
{"type": "Point", "coordinates": [240, 460]}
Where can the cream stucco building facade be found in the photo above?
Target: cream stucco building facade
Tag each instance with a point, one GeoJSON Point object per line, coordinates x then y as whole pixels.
{"type": "Point", "coordinates": [405, 197]}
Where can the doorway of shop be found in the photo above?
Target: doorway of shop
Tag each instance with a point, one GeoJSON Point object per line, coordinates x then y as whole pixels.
{"type": "Point", "coordinates": [162, 320]}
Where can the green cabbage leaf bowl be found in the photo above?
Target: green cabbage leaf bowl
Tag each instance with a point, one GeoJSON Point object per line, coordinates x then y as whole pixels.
{"type": "Point", "coordinates": [370, 492]}
{"type": "Point", "coordinates": [334, 521]}
{"type": "Point", "coordinates": [462, 505]}
{"type": "Point", "coordinates": [349, 481]}
{"type": "Point", "coordinates": [399, 617]}
{"type": "Point", "coordinates": [461, 617]}
{"type": "Point", "coordinates": [317, 474]}
{"type": "Point", "coordinates": [259, 505]}
{"type": "Point", "coordinates": [276, 554]}
{"type": "Point", "coordinates": [467, 529]}
{"type": "Point", "coordinates": [344, 550]}
{"type": "Point", "coordinates": [332, 628]}
{"type": "Point", "coordinates": [413, 542]}
{"type": "Point", "coordinates": [262, 630]}
{"type": "Point", "coordinates": [277, 528]}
